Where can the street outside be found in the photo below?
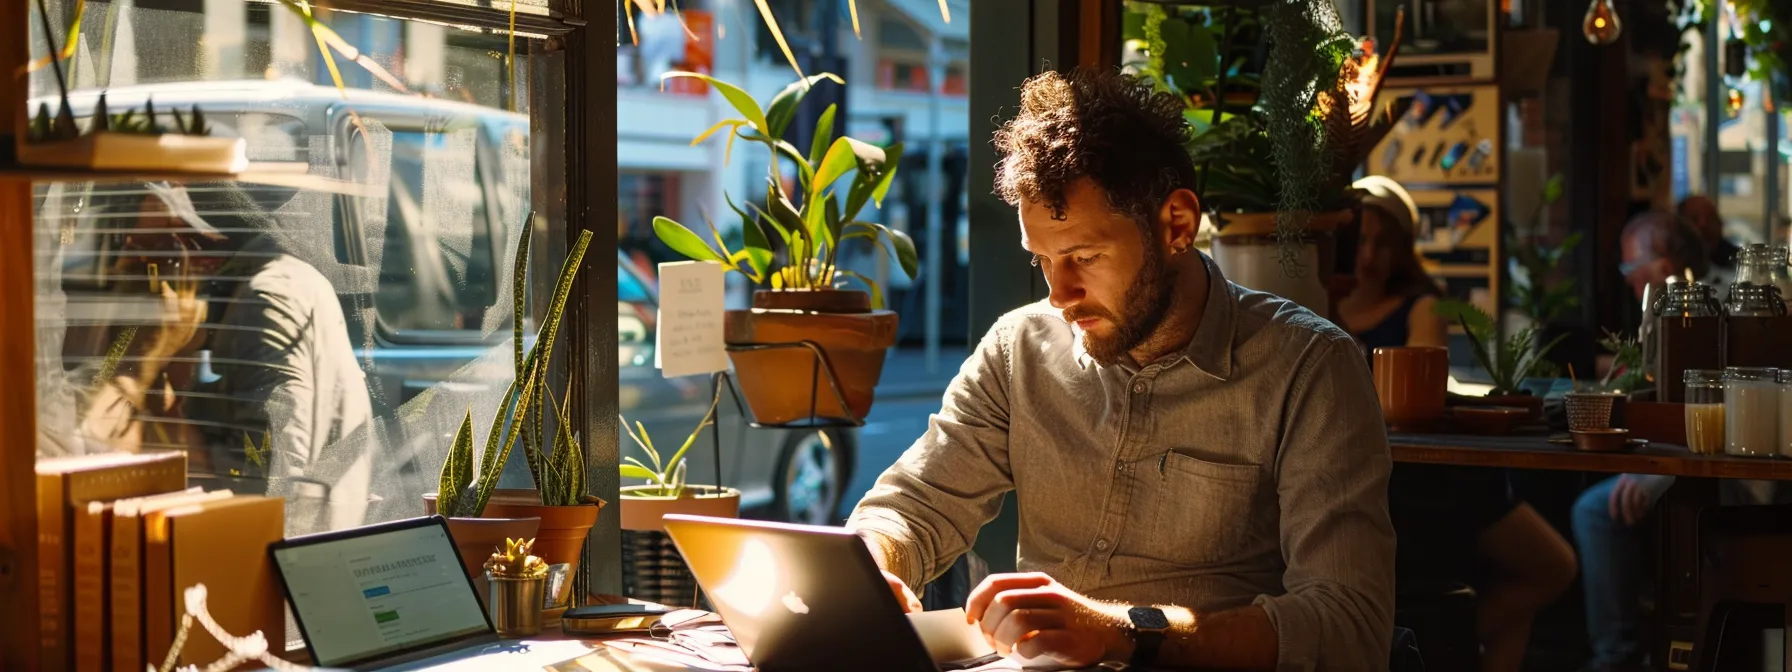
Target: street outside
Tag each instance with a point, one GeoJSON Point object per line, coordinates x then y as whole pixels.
{"type": "Point", "coordinates": [906, 396]}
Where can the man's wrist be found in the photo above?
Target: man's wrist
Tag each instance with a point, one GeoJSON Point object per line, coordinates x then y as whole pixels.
{"type": "Point", "coordinates": [1121, 642]}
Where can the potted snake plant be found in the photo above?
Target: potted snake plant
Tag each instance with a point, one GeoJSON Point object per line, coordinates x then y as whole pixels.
{"type": "Point", "coordinates": [1508, 361]}
{"type": "Point", "coordinates": [556, 462]}
{"type": "Point", "coordinates": [790, 247]}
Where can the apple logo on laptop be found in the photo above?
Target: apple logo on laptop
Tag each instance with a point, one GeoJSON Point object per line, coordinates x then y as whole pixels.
{"type": "Point", "coordinates": [794, 603]}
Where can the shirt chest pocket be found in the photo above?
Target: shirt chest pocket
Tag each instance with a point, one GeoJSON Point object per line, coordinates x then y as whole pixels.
{"type": "Point", "coordinates": [1202, 511]}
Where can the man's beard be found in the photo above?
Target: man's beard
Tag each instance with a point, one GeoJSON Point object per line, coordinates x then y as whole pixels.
{"type": "Point", "coordinates": [1146, 304]}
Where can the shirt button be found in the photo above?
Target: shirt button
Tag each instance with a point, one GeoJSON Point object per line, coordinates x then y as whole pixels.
{"type": "Point", "coordinates": [1139, 387]}
{"type": "Point", "coordinates": [1101, 544]}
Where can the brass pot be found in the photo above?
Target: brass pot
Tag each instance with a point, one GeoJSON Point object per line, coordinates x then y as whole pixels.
{"type": "Point", "coordinates": [515, 606]}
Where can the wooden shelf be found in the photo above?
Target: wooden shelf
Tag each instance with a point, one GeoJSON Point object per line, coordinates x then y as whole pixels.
{"type": "Point", "coordinates": [1458, 270]}
{"type": "Point", "coordinates": [284, 174]}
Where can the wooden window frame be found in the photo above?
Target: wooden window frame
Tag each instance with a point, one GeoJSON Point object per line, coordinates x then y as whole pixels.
{"type": "Point", "coordinates": [581, 42]}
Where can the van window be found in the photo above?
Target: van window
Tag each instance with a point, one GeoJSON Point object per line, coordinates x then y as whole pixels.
{"type": "Point", "coordinates": [438, 269]}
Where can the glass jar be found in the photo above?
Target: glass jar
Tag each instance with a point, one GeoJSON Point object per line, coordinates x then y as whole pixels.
{"type": "Point", "coordinates": [1754, 264]}
{"type": "Point", "coordinates": [1754, 300]}
{"type": "Point", "coordinates": [1705, 411]}
{"type": "Point", "coordinates": [1780, 263]}
{"type": "Point", "coordinates": [1786, 412]}
{"type": "Point", "coordinates": [1751, 412]}
{"type": "Point", "coordinates": [1689, 299]}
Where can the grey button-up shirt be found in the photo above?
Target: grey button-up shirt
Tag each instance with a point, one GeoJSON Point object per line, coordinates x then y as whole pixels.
{"type": "Point", "coordinates": [1250, 468]}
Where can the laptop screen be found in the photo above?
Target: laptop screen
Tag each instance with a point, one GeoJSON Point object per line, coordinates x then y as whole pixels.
{"type": "Point", "coordinates": [360, 597]}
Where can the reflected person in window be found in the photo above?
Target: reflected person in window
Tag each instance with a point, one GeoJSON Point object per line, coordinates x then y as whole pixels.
{"type": "Point", "coordinates": [284, 397]}
{"type": "Point", "coordinates": [1182, 449]}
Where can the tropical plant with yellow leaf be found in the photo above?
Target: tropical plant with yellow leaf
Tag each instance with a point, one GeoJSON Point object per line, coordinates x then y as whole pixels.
{"type": "Point", "coordinates": [792, 243]}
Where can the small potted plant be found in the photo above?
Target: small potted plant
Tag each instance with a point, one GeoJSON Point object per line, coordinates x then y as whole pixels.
{"type": "Point", "coordinates": [517, 582]}
{"type": "Point", "coordinates": [790, 252]}
{"type": "Point", "coordinates": [555, 460]}
{"type": "Point", "coordinates": [1508, 361]}
{"type": "Point", "coordinates": [643, 506]}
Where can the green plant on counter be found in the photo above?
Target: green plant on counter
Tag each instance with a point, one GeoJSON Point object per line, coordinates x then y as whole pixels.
{"type": "Point", "coordinates": [556, 463]}
{"type": "Point", "coordinates": [809, 236]}
{"type": "Point", "coordinates": [1533, 259]}
{"type": "Point", "coordinates": [1626, 374]}
{"type": "Point", "coordinates": [1508, 361]}
{"type": "Point", "coordinates": [667, 474]}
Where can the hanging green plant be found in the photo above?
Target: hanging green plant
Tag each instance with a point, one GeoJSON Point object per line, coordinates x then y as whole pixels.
{"type": "Point", "coordinates": [1288, 142]}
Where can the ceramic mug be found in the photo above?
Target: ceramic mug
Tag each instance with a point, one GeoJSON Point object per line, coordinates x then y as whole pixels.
{"type": "Point", "coordinates": [1410, 383]}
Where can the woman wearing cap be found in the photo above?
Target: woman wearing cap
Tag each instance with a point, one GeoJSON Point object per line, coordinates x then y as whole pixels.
{"type": "Point", "coordinates": [1518, 563]}
{"type": "Point", "coordinates": [1392, 302]}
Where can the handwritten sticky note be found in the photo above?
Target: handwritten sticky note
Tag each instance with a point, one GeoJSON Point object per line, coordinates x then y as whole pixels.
{"type": "Point", "coordinates": [692, 305]}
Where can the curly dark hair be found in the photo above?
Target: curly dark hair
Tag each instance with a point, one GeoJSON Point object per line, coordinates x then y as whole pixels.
{"type": "Point", "coordinates": [1109, 127]}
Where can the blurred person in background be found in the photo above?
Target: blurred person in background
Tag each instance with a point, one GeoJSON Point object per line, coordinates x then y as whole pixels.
{"type": "Point", "coordinates": [1393, 299]}
{"type": "Point", "coordinates": [1700, 212]}
{"type": "Point", "coordinates": [1454, 523]}
{"type": "Point", "coordinates": [279, 395]}
{"type": "Point", "coordinates": [1656, 246]}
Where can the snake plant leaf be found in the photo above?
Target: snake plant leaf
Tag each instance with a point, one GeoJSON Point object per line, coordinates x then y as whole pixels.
{"type": "Point", "coordinates": [683, 241]}
{"type": "Point", "coordinates": [782, 109]}
{"type": "Point", "coordinates": [457, 472]}
{"type": "Point", "coordinates": [740, 99]}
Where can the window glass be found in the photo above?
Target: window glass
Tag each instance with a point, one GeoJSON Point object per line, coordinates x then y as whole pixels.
{"type": "Point", "coordinates": [317, 337]}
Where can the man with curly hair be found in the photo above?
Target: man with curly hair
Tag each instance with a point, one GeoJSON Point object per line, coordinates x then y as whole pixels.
{"type": "Point", "coordinates": [1201, 469]}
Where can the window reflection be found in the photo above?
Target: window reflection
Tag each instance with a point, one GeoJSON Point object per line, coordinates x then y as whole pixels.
{"type": "Point", "coordinates": [319, 344]}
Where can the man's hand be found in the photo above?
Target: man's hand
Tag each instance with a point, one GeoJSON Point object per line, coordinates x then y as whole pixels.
{"type": "Point", "coordinates": [1034, 616]}
{"type": "Point", "coordinates": [905, 598]}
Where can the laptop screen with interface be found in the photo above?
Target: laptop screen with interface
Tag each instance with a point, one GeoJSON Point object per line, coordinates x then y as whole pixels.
{"type": "Point", "coordinates": [363, 596]}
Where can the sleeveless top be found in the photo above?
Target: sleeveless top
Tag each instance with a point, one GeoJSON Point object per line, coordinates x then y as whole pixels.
{"type": "Point", "coordinates": [1391, 332]}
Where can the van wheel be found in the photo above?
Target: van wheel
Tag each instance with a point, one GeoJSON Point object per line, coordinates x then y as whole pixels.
{"type": "Point", "coordinates": [812, 472]}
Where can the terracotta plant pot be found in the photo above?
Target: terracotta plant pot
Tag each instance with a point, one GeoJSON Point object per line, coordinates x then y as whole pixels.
{"type": "Point", "coordinates": [643, 512]}
{"type": "Point", "coordinates": [563, 528]}
{"type": "Point", "coordinates": [476, 538]}
{"type": "Point", "coordinates": [784, 385]}
{"type": "Point", "coordinates": [652, 568]}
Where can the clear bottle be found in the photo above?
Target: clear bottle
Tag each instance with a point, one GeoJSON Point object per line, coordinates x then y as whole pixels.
{"type": "Point", "coordinates": [1785, 379]}
{"type": "Point", "coordinates": [1705, 411]}
{"type": "Point", "coordinates": [1751, 412]}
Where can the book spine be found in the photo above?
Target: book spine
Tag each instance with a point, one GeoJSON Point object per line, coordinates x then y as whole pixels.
{"type": "Point", "coordinates": [158, 588]}
{"type": "Point", "coordinates": [90, 586]}
{"type": "Point", "coordinates": [52, 557]}
{"type": "Point", "coordinates": [127, 596]}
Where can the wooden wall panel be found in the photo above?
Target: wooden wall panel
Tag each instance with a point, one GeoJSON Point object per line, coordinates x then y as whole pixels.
{"type": "Point", "coordinates": [18, 403]}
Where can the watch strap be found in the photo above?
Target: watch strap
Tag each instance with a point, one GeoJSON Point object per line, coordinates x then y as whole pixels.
{"type": "Point", "coordinates": [1145, 644]}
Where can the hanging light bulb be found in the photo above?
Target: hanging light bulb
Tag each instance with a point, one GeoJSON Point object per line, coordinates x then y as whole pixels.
{"type": "Point", "coordinates": [1733, 105]}
{"type": "Point", "coordinates": [1601, 25]}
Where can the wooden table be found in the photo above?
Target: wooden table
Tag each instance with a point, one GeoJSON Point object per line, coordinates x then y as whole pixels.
{"type": "Point", "coordinates": [1678, 599]}
{"type": "Point", "coordinates": [1534, 451]}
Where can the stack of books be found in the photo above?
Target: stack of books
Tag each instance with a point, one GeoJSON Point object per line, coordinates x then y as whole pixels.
{"type": "Point", "coordinates": [121, 537]}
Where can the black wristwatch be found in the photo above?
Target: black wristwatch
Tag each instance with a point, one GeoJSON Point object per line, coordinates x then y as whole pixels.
{"type": "Point", "coordinates": [1148, 627]}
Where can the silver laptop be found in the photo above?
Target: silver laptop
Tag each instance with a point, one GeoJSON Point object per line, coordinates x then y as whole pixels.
{"type": "Point", "coordinates": [802, 597]}
{"type": "Point", "coordinates": [394, 596]}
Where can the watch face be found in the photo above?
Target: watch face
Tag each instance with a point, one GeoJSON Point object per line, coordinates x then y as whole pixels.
{"type": "Point", "coordinates": [1148, 618]}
